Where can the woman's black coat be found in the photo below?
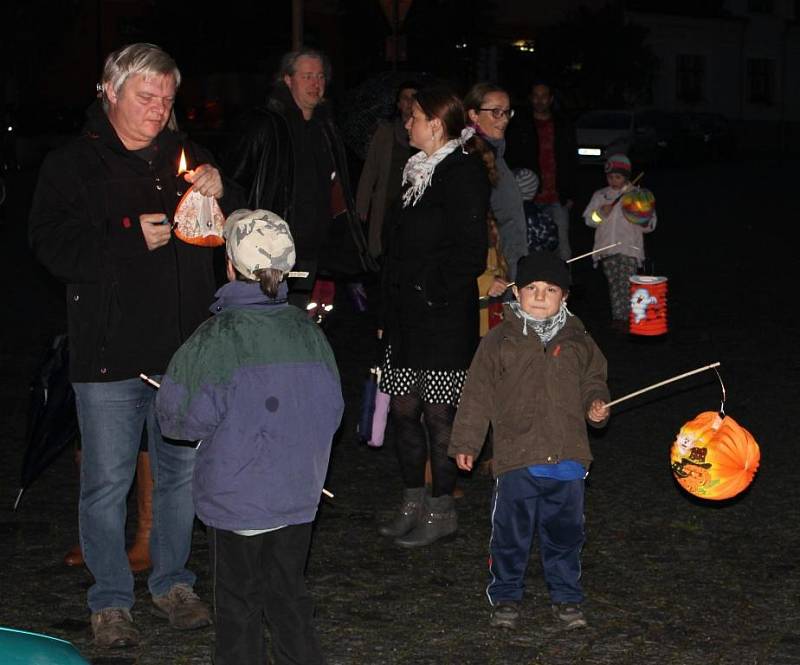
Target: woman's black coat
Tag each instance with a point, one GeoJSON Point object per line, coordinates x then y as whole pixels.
{"type": "Point", "coordinates": [434, 252]}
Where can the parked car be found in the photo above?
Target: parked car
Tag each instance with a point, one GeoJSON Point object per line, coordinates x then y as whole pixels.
{"type": "Point", "coordinates": [678, 139]}
{"type": "Point", "coordinates": [601, 133]}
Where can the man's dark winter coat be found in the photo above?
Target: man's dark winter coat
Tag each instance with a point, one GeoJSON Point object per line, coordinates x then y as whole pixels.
{"type": "Point", "coordinates": [284, 163]}
{"type": "Point", "coordinates": [128, 308]}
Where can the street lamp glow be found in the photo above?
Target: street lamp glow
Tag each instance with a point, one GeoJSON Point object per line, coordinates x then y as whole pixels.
{"type": "Point", "coordinates": [524, 45]}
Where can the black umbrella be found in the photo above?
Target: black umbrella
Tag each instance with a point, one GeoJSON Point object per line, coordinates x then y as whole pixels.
{"type": "Point", "coordinates": [368, 103]}
{"type": "Point", "coordinates": [52, 418]}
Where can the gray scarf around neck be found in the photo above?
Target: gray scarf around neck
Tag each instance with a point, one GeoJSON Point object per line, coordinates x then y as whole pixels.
{"type": "Point", "coordinates": [547, 328]}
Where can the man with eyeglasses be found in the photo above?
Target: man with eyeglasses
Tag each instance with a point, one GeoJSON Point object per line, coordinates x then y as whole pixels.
{"type": "Point", "coordinates": [289, 158]}
{"type": "Point", "coordinates": [544, 141]}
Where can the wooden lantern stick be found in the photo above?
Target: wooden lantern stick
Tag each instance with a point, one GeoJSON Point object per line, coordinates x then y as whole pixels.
{"type": "Point", "coordinates": [662, 383]}
{"type": "Point", "coordinates": [147, 379]}
{"type": "Point", "coordinates": [627, 188]}
{"type": "Point", "coordinates": [602, 249]}
{"type": "Point", "coordinates": [156, 384]}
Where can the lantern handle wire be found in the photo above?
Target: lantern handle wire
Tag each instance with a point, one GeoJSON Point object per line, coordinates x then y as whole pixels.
{"type": "Point", "coordinates": [724, 392]}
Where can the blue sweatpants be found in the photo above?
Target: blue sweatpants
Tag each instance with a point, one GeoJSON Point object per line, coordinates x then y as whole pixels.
{"type": "Point", "coordinates": [524, 506]}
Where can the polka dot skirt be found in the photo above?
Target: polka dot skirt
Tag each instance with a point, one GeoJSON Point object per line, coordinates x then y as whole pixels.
{"type": "Point", "coordinates": [433, 386]}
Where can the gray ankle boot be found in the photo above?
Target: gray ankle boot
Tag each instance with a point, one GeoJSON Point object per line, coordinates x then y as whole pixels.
{"type": "Point", "coordinates": [438, 521]}
{"type": "Point", "coordinates": [409, 514]}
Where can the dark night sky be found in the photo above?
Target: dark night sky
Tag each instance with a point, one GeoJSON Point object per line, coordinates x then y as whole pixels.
{"type": "Point", "coordinates": [52, 51]}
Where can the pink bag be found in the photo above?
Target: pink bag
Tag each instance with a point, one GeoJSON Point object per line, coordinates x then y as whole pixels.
{"type": "Point", "coordinates": [379, 420]}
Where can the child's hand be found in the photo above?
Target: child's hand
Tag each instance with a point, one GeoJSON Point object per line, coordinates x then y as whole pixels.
{"type": "Point", "coordinates": [598, 411]}
{"type": "Point", "coordinates": [464, 462]}
{"type": "Point", "coordinates": [498, 288]}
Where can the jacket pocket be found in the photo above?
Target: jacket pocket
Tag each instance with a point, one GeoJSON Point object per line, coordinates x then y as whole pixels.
{"type": "Point", "coordinates": [433, 288]}
{"type": "Point", "coordinates": [112, 316]}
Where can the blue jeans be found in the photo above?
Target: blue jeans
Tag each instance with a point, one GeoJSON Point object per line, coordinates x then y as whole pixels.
{"type": "Point", "coordinates": [560, 215]}
{"type": "Point", "coordinates": [111, 418]}
{"type": "Point", "coordinates": [523, 507]}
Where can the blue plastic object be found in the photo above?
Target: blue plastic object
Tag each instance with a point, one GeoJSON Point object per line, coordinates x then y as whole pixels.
{"type": "Point", "coordinates": [20, 647]}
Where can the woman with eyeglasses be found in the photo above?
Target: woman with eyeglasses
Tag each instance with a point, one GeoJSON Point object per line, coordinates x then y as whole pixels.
{"type": "Point", "coordinates": [489, 111]}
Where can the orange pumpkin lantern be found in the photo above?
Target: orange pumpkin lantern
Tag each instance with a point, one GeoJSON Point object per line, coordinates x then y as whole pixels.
{"type": "Point", "coordinates": [713, 457]}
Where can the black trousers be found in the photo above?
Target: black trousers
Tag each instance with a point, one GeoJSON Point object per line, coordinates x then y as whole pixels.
{"type": "Point", "coordinates": [260, 579]}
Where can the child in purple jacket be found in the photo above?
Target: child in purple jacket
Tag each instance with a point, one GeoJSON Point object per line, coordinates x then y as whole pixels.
{"type": "Point", "coordinates": [257, 386]}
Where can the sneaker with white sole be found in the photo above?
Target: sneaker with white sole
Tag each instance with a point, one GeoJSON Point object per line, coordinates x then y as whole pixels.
{"type": "Point", "coordinates": [505, 615]}
{"type": "Point", "coordinates": [569, 615]}
{"type": "Point", "coordinates": [182, 607]}
{"type": "Point", "coordinates": [113, 628]}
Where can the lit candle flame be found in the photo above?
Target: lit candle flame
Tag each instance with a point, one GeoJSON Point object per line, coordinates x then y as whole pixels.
{"type": "Point", "coordinates": [182, 163]}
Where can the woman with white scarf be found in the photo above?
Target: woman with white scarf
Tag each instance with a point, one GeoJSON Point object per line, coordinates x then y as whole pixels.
{"type": "Point", "coordinates": [435, 245]}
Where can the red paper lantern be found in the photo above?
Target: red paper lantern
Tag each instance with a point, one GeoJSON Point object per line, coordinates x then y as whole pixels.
{"type": "Point", "coordinates": [713, 457]}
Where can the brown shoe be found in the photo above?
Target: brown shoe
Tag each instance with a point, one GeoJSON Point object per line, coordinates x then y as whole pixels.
{"type": "Point", "coordinates": [113, 628]}
{"type": "Point", "coordinates": [139, 552]}
{"type": "Point", "coordinates": [74, 557]}
{"type": "Point", "coordinates": [182, 607]}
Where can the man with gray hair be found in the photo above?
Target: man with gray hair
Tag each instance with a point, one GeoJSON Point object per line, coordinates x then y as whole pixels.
{"type": "Point", "coordinates": [289, 158]}
{"type": "Point", "coordinates": [100, 222]}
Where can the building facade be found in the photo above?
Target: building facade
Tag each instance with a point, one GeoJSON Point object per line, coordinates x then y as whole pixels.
{"type": "Point", "coordinates": [742, 61]}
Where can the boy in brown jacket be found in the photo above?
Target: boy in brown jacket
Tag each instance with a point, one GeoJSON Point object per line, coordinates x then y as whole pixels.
{"type": "Point", "coordinates": [535, 378]}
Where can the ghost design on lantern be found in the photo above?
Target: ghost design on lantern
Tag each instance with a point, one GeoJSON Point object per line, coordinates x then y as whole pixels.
{"type": "Point", "coordinates": [640, 300]}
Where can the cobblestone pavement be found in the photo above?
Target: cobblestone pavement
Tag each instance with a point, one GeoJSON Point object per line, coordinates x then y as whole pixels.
{"type": "Point", "coordinates": [670, 580]}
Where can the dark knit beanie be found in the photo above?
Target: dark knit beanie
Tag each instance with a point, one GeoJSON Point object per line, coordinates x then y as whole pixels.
{"type": "Point", "coordinates": [618, 163]}
{"type": "Point", "coordinates": [542, 267]}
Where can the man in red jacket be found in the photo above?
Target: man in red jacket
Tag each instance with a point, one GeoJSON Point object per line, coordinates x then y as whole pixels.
{"type": "Point", "coordinates": [544, 141]}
